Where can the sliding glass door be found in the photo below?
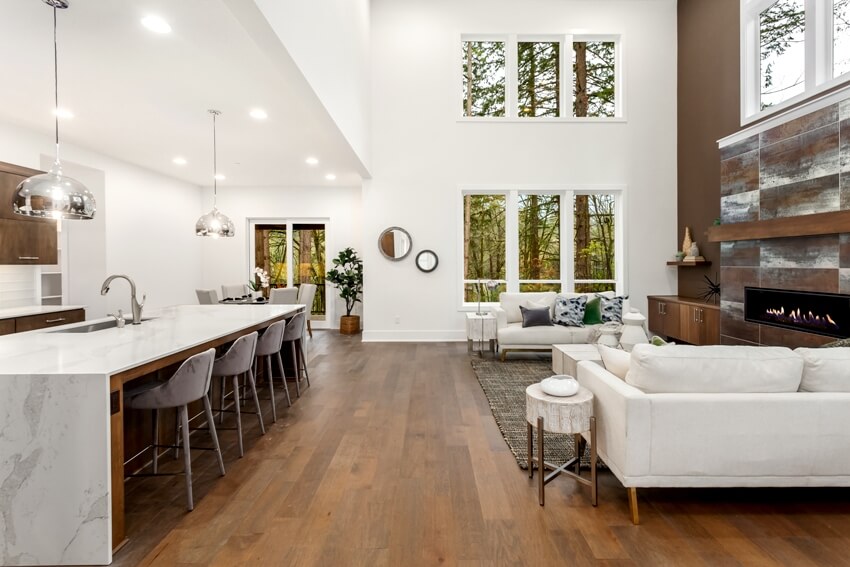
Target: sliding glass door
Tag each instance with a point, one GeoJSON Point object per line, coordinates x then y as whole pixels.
{"type": "Point", "coordinates": [293, 253]}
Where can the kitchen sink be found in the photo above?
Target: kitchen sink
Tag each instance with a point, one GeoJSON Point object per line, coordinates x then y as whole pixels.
{"type": "Point", "coordinates": [92, 327]}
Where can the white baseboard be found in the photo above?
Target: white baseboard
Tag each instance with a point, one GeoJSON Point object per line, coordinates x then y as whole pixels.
{"type": "Point", "coordinates": [413, 336]}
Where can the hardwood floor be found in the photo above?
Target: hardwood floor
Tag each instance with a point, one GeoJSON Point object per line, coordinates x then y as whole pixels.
{"type": "Point", "coordinates": [393, 458]}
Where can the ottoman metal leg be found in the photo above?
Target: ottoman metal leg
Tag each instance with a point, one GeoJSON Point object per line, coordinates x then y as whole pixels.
{"type": "Point", "coordinates": [530, 448]}
{"type": "Point", "coordinates": [593, 491]}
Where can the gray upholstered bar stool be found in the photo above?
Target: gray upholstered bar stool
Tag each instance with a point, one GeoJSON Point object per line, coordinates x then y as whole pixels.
{"type": "Point", "coordinates": [269, 345]}
{"type": "Point", "coordinates": [238, 360]}
{"type": "Point", "coordinates": [190, 383]}
{"type": "Point", "coordinates": [293, 335]}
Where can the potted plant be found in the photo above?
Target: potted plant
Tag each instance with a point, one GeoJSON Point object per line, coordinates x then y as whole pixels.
{"type": "Point", "coordinates": [260, 283]}
{"type": "Point", "coordinates": [347, 276]}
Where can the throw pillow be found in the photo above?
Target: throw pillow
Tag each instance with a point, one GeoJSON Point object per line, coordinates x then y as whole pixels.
{"type": "Point", "coordinates": [612, 308]}
{"type": "Point", "coordinates": [593, 312]}
{"type": "Point", "coordinates": [658, 341]}
{"type": "Point", "coordinates": [537, 317]}
{"type": "Point", "coordinates": [837, 344]}
{"type": "Point", "coordinates": [569, 312]}
{"type": "Point", "coordinates": [616, 361]}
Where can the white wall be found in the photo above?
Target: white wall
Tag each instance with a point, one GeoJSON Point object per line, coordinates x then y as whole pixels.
{"type": "Point", "coordinates": [229, 261]}
{"type": "Point", "coordinates": [329, 41]}
{"type": "Point", "coordinates": [148, 226]}
{"type": "Point", "coordinates": [421, 152]}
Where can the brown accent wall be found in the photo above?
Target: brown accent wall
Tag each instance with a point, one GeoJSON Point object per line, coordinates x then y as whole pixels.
{"type": "Point", "coordinates": [708, 109]}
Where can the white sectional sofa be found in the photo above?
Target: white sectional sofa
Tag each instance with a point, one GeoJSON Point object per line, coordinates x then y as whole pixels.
{"type": "Point", "coordinates": [721, 416]}
{"type": "Point", "coordinates": [512, 336]}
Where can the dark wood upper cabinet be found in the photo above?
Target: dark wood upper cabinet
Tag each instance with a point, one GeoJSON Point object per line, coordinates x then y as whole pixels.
{"type": "Point", "coordinates": [23, 240]}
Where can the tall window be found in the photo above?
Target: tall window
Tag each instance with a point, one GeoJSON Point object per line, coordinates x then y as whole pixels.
{"type": "Point", "coordinates": [782, 43]}
{"type": "Point", "coordinates": [539, 78]}
{"type": "Point", "coordinates": [513, 237]}
{"type": "Point", "coordinates": [791, 50]}
{"type": "Point", "coordinates": [544, 77]}
{"type": "Point", "coordinates": [293, 254]}
{"type": "Point", "coordinates": [484, 251]}
{"type": "Point", "coordinates": [593, 78]}
{"type": "Point", "coordinates": [483, 78]}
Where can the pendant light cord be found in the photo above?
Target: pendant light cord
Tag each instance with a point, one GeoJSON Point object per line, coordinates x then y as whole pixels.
{"type": "Point", "coordinates": [56, 83]}
{"type": "Point", "coordinates": [215, 165]}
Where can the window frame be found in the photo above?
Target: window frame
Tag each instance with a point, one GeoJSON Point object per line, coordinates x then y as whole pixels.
{"type": "Point", "coordinates": [566, 100]}
{"type": "Point", "coordinates": [819, 44]}
{"type": "Point", "coordinates": [567, 195]}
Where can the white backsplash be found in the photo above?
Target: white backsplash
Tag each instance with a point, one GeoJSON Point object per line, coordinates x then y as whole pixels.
{"type": "Point", "coordinates": [19, 286]}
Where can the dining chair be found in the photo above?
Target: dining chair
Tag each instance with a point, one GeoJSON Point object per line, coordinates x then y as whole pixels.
{"type": "Point", "coordinates": [207, 296]}
{"type": "Point", "coordinates": [306, 293]}
{"type": "Point", "coordinates": [236, 290]}
{"type": "Point", "coordinates": [284, 296]}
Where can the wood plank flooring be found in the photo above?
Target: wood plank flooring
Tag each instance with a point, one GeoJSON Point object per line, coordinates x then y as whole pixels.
{"type": "Point", "coordinates": [393, 458]}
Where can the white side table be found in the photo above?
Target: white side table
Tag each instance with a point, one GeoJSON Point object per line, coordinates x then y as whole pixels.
{"type": "Point", "coordinates": [480, 327]}
{"type": "Point", "coordinates": [571, 415]}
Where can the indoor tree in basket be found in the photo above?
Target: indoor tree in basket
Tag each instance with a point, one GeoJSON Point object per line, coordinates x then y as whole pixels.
{"type": "Point", "coordinates": [347, 276]}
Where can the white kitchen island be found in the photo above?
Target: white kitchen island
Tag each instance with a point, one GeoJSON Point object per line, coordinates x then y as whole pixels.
{"type": "Point", "coordinates": [61, 424]}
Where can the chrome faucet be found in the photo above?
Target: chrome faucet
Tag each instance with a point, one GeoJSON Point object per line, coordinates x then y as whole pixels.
{"type": "Point", "coordinates": [137, 307]}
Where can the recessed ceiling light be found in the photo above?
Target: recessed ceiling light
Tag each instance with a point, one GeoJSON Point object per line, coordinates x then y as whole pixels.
{"type": "Point", "coordinates": [258, 114]}
{"type": "Point", "coordinates": [220, 176]}
{"type": "Point", "coordinates": [156, 24]}
{"type": "Point", "coordinates": [63, 113]}
{"type": "Point", "coordinates": [330, 177]}
{"type": "Point", "coordinates": [312, 161]}
{"type": "Point", "coordinates": [179, 160]}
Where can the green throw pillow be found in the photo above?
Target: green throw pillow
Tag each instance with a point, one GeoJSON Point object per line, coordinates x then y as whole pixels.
{"type": "Point", "coordinates": [658, 341]}
{"type": "Point", "coordinates": [593, 312]}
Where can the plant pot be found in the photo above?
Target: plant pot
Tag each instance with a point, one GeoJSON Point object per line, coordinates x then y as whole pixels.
{"type": "Point", "coordinates": [349, 324]}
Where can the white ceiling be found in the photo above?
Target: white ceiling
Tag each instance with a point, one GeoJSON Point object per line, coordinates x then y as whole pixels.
{"type": "Point", "coordinates": [143, 97]}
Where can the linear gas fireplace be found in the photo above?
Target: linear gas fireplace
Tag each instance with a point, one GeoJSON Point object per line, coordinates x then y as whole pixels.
{"type": "Point", "coordinates": [820, 313]}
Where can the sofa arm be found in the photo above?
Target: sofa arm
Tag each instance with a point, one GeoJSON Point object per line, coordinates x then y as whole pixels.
{"type": "Point", "coordinates": [623, 424]}
{"type": "Point", "coordinates": [501, 316]}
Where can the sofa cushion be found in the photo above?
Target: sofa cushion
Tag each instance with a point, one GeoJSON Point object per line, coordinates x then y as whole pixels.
{"type": "Point", "coordinates": [612, 308]}
{"type": "Point", "coordinates": [615, 360]}
{"type": "Point", "coordinates": [714, 369]}
{"type": "Point", "coordinates": [593, 311]}
{"type": "Point", "coordinates": [510, 302]}
{"type": "Point", "coordinates": [515, 334]}
{"type": "Point", "coordinates": [535, 317]}
{"type": "Point", "coordinates": [570, 311]}
{"type": "Point", "coordinates": [825, 370]}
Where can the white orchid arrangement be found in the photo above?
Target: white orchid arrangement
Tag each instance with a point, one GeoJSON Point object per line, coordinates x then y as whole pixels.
{"type": "Point", "coordinates": [263, 276]}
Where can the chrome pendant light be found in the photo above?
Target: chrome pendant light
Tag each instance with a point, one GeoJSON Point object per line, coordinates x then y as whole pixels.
{"type": "Point", "coordinates": [53, 194]}
{"type": "Point", "coordinates": [215, 223]}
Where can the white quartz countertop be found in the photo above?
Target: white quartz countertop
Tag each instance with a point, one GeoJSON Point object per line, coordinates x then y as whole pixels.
{"type": "Point", "coordinates": [12, 312]}
{"type": "Point", "coordinates": [113, 350]}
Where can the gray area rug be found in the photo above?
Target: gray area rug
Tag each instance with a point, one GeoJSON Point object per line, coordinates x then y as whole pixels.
{"type": "Point", "coordinates": [504, 384]}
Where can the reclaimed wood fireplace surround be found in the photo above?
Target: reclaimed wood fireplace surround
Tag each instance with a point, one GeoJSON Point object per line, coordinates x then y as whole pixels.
{"type": "Point", "coordinates": [785, 214]}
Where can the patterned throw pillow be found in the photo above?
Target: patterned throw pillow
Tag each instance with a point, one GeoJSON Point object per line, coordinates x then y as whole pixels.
{"type": "Point", "coordinates": [535, 317]}
{"type": "Point", "coordinates": [837, 344]}
{"type": "Point", "coordinates": [569, 312]}
{"type": "Point", "coordinates": [612, 308]}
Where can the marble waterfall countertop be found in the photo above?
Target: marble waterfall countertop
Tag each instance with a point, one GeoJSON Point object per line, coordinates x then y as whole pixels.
{"type": "Point", "coordinates": [55, 425]}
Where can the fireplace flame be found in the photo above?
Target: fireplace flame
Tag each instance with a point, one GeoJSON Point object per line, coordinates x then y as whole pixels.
{"type": "Point", "coordinates": [796, 316]}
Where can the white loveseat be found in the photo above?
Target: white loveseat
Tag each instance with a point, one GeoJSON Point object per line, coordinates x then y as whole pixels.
{"type": "Point", "coordinates": [512, 336]}
{"type": "Point", "coordinates": [718, 416]}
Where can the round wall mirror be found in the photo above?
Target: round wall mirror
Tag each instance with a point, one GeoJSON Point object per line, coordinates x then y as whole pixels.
{"type": "Point", "coordinates": [427, 261]}
{"type": "Point", "coordinates": [395, 243]}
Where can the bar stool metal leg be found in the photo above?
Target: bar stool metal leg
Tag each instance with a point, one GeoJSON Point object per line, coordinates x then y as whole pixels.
{"type": "Point", "coordinates": [238, 416]}
{"type": "Point", "coordinates": [155, 441]}
{"type": "Point", "coordinates": [213, 434]}
{"type": "Point", "coordinates": [187, 456]}
{"type": "Point", "coordinates": [297, 369]}
{"type": "Point", "coordinates": [270, 380]}
{"type": "Point", "coordinates": [303, 360]}
{"type": "Point", "coordinates": [283, 376]}
{"type": "Point", "coordinates": [252, 383]}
